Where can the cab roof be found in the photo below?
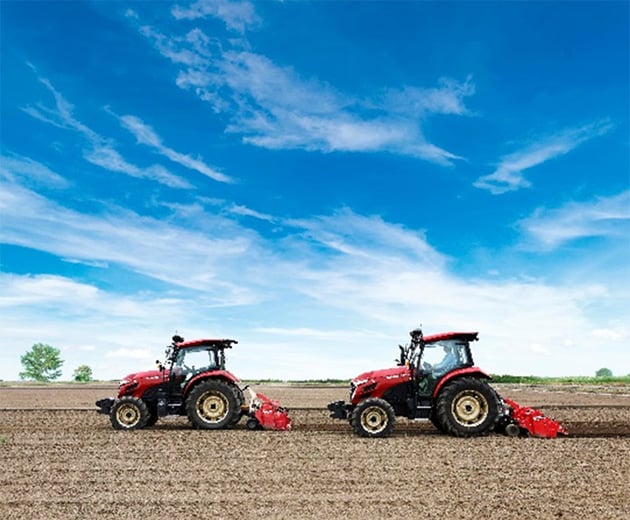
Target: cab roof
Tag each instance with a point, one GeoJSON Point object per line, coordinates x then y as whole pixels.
{"type": "Point", "coordinates": [464, 336]}
{"type": "Point", "coordinates": [217, 343]}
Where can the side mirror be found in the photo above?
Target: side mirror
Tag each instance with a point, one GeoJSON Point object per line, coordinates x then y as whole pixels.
{"type": "Point", "coordinates": [160, 367]}
{"type": "Point", "coordinates": [401, 362]}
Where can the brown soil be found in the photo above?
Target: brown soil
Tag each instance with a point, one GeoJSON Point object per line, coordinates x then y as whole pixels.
{"type": "Point", "coordinates": [69, 463]}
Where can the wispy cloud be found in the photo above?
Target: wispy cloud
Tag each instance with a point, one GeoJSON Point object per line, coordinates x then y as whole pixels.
{"type": "Point", "coordinates": [244, 211]}
{"type": "Point", "coordinates": [19, 168]}
{"type": "Point", "coordinates": [108, 158]}
{"type": "Point", "coordinates": [147, 246]}
{"type": "Point", "coordinates": [145, 135]}
{"type": "Point", "coordinates": [602, 217]}
{"type": "Point", "coordinates": [272, 106]}
{"type": "Point", "coordinates": [100, 151]}
{"type": "Point", "coordinates": [236, 15]}
{"type": "Point", "coordinates": [509, 175]}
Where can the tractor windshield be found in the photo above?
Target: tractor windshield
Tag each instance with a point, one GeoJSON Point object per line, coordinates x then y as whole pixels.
{"type": "Point", "coordinates": [197, 359]}
{"type": "Point", "coordinates": [446, 355]}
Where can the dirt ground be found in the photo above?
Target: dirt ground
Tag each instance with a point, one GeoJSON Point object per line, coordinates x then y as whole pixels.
{"type": "Point", "coordinates": [61, 460]}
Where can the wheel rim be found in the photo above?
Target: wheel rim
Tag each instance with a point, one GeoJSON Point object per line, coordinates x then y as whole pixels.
{"type": "Point", "coordinates": [374, 419]}
{"type": "Point", "coordinates": [470, 408]}
{"type": "Point", "coordinates": [128, 415]}
{"type": "Point", "coordinates": [212, 406]}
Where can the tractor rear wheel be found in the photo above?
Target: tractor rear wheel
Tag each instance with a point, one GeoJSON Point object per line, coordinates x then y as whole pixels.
{"type": "Point", "coordinates": [211, 405]}
{"type": "Point", "coordinates": [467, 407]}
{"type": "Point", "coordinates": [373, 417]}
{"type": "Point", "coordinates": [129, 413]}
{"type": "Point", "coordinates": [240, 401]}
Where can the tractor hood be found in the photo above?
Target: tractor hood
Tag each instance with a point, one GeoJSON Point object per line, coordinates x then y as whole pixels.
{"type": "Point", "coordinates": [143, 376]}
{"type": "Point", "coordinates": [397, 373]}
{"type": "Point", "coordinates": [377, 382]}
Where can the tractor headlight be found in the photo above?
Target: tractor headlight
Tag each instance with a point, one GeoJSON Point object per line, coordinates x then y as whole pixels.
{"type": "Point", "coordinates": [127, 386]}
{"type": "Point", "coordinates": [355, 385]}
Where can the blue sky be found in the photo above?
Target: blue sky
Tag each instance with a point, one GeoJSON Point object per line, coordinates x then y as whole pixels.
{"type": "Point", "coordinates": [315, 179]}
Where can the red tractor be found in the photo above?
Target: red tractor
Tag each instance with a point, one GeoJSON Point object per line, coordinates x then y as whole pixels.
{"type": "Point", "coordinates": [436, 380]}
{"type": "Point", "coordinates": [193, 381]}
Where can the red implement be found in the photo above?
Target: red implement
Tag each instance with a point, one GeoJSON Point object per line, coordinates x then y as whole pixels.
{"type": "Point", "coordinates": [268, 414]}
{"type": "Point", "coordinates": [534, 422]}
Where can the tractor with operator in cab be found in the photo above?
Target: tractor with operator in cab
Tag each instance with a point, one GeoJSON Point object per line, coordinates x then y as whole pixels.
{"type": "Point", "coordinates": [436, 380]}
{"type": "Point", "coordinates": [192, 382]}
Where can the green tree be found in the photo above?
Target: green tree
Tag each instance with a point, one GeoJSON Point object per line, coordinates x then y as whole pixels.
{"type": "Point", "coordinates": [604, 372]}
{"type": "Point", "coordinates": [83, 374]}
{"type": "Point", "coordinates": [41, 363]}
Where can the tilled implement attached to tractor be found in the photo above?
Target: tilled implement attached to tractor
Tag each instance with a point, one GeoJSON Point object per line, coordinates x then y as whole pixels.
{"type": "Point", "coordinates": [436, 380]}
{"type": "Point", "coordinates": [192, 382]}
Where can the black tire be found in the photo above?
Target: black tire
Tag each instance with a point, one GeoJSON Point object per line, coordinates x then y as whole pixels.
{"type": "Point", "coordinates": [435, 421]}
{"type": "Point", "coordinates": [240, 401]}
{"type": "Point", "coordinates": [467, 407]}
{"type": "Point", "coordinates": [253, 424]}
{"type": "Point", "coordinates": [211, 405]}
{"type": "Point", "coordinates": [373, 417]}
{"type": "Point", "coordinates": [129, 413]}
{"type": "Point", "coordinates": [153, 416]}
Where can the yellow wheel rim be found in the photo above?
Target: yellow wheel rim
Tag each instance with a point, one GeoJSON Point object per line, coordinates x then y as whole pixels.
{"type": "Point", "coordinates": [374, 419]}
{"type": "Point", "coordinates": [212, 406]}
{"type": "Point", "coordinates": [470, 408]}
{"type": "Point", "coordinates": [128, 415]}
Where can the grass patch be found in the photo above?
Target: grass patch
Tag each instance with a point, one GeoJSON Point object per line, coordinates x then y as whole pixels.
{"type": "Point", "coordinates": [569, 380]}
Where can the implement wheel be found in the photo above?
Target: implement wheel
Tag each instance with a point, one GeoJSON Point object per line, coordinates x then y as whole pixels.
{"type": "Point", "coordinates": [467, 407]}
{"type": "Point", "coordinates": [211, 405]}
{"type": "Point", "coordinates": [373, 418]}
{"type": "Point", "coordinates": [129, 413]}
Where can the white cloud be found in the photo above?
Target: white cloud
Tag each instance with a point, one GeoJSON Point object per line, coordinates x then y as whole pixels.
{"type": "Point", "coordinates": [602, 217]}
{"type": "Point", "coordinates": [237, 209]}
{"type": "Point", "coordinates": [147, 246]}
{"type": "Point", "coordinates": [147, 136]}
{"type": "Point", "coordinates": [109, 159]}
{"type": "Point", "coordinates": [237, 15]}
{"type": "Point", "coordinates": [611, 334]}
{"type": "Point", "coordinates": [130, 353]}
{"type": "Point", "coordinates": [18, 168]}
{"type": "Point", "coordinates": [101, 151]}
{"type": "Point", "coordinates": [319, 289]}
{"type": "Point", "coordinates": [272, 106]}
{"type": "Point", "coordinates": [509, 175]}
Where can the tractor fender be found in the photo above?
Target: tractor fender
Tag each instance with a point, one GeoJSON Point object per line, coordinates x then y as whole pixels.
{"type": "Point", "coordinates": [460, 372]}
{"type": "Point", "coordinates": [221, 375]}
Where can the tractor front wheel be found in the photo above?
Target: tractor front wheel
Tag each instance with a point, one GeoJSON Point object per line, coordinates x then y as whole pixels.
{"type": "Point", "coordinates": [467, 407]}
{"type": "Point", "coordinates": [211, 405]}
{"type": "Point", "coordinates": [373, 417]}
{"type": "Point", "coordinates": [129, 413]}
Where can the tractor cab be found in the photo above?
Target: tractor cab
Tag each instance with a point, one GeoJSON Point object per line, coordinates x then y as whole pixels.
{"type": "Point", "coordinates": [440, 355]}
{"type": "Point", "coordinates": [184, 360]}
{"type": "Point", "coordinates": [433, 357]}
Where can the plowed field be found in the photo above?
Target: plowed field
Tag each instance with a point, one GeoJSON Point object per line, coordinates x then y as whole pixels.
{"type": "Point", "coordinates": [61, 460]}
